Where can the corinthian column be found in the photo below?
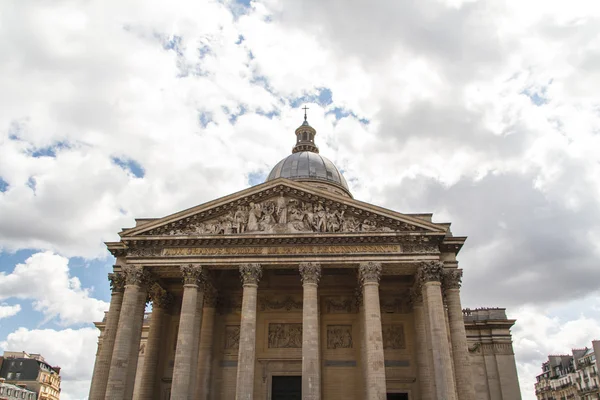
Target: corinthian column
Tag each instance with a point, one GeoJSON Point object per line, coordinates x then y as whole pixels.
{"type": "Point", "coordinates": [462, 363]}
{"type": "Point", "coordinates": [185, 365]}
{"type": "Point", "coordinates": [121, 376]}
{"type": "Point", "coordinates": [369, 274]}
{"type": "Point", "coordinates": [251, 274]}
{"type": "Point", "coordinates": [205, 348]}
{"type": "Point", "coordinates": [424, 367]}
{"type": "Point", "coordinates": [102, 365]}
{"type": "Point", "coordinates": [161, 300]}
{"type": "Point", "coordinates": [429, 277]}
{"type": "Point", "coordinates": [311, 364]}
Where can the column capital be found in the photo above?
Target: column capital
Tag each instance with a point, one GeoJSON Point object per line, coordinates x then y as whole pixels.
{"type": "Point", "coordinates": [430, 271]}
{"type": "Point", "coordinates": [310, 272]}
{"type": "Point", "coordinates": [250, 274]}
{"type": "Point", "coordinates": [369, 272]}
{"type": "Point", "coordinates": [160, 297]}
{"type": "Point", "coordinates": [117, 282]}
{"type": "Point", "coordinates": [452, 278]}
{"type": "Point", "coordinates": [192, 274]}
{"type": "Point", "coordinates": [136, 274]}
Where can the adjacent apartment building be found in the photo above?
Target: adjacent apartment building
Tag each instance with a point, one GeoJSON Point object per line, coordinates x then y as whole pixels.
{"type": "Point", "coordinates": [570, 376]}
{"type": "Point", "coordinates": [31, 372]}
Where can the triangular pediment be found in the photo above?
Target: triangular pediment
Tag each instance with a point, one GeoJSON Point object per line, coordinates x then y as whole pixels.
{"type": "Point", "coordinates": [281, 207]}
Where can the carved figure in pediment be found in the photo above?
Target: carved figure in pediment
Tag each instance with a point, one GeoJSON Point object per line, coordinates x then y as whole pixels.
{"type": "Point", "coordinates": [309, 217]}
{"type": "Point", "coordinates": [268, 219]}
{"type": "Point", "coordinates": [282, 210]}
{"type": "Point", "coordinates": [240, 220]}
{"type": "Point", "coordinates": [321, 218]}
{"type": "Point", "coordinates": [254, 215]}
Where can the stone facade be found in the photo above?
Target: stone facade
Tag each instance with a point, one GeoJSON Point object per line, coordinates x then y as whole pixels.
{"type": "Point", "coordinates": [290, 287]}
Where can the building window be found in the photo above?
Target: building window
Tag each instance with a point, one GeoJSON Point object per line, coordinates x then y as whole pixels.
{"type": "Point", "coordinates": [9, 375]}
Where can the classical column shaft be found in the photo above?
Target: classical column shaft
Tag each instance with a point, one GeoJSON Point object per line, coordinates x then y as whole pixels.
{"type": "Point", "coordinates": [423, 358]}
{"type": "Point", "coordinates": [160, 301]}
{"type": "Point", "coordinates": [430, 276]}
{"type": "Point", "coordinates": [375, 385]}
{"type": "Point", "coordinates": [189, 331]}
{"type": "Point", "coordinates": [244, 390]}
{"type": "Point", "coordinates": [102, 365]}
{"type": "Point", "coordinates": [205, 348]}
{"type": "Point", "coordinates": [460, 352]}
{"type": "Point", "coordinates": [137, 325]}
{"type": "Point", "coordinates": [311, 364]}
{"type": "Point", "coordinates": [129, 331]}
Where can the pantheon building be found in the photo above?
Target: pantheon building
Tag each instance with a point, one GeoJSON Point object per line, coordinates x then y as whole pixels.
{"type": "Point", "coordinates": [292, 289]}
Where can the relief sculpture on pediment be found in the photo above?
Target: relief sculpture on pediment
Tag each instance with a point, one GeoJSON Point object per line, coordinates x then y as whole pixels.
{"type": "Point", "coordinates": [283, 215]}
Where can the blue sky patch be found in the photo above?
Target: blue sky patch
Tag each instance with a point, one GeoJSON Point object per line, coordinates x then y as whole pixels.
{"type": "Point", "coordinates": [256, 177]}
{"type": "Point", "coordinates": [323, 97]}
{"type": "Point", "coordinates": [130, 165]}
{"type": "Point", "coordinates": [204, 118]}
{"type": "Point", "coordinates": [340, 113]}
{"type": "Point", "coordinates": [269, 114]}
{"type": "Point", "coordinates": [31, 183]}
{"type": "Point", "coordinates": [49, 151]}
{"type": "Point", "coordinates": [3, 185]}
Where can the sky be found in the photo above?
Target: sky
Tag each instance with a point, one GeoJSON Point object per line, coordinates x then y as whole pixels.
{"type": "Point", "coordinates": [485, 113]}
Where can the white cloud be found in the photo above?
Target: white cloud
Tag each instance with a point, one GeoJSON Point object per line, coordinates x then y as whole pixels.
{"type": "Point", "coordinates": [71, 349]}
{"type": "Point", "coordinates": [482, 112]}
{"type": "Point", "coordinates": [7, 311]}
{"type": "Point", "coordinates": [45, 279]}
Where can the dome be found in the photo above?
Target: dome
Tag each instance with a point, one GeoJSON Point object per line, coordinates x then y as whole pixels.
{"type": "Point", "coordinates": [306, 164]}
{"type": "Point", "coordinates": [309, 166]}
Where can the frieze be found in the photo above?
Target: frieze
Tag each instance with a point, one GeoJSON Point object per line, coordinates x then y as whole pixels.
{"type": "Point", "coordinates": [339, 337]}
{"type": "Point", "coordinates": [232, 337]}
{"type": "Point", "coordinates": [393, 336]}
{"type": "Point", "coordinates": [287, 303]}
{"type": "Point", "coordinates": [340, 305]}
{"type": "Point", "coordinates": [282, 214]}
{"type": "Point", "coordinates": [285, 336]}
{"type": "Point", "coordinates": [292, 250]}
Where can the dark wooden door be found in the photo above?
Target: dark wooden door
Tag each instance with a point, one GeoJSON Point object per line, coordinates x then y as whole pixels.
{"type": "Point", "coordinates": [397, 396]}
{"type": "Point", "coordinates": [286, 388]}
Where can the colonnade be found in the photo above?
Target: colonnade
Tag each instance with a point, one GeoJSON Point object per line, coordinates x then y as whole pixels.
{"type": "Point", "coordinates": [441, 348]}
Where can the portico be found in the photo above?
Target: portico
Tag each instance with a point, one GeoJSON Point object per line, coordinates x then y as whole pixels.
{"type": "Point", "coordinates": [289, 286]}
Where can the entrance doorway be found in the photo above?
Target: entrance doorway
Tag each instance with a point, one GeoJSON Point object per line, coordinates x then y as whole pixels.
{"type": "Point", "coordinates": [286, 388]}
{"type": "Point", "coordinates": [397, 396]}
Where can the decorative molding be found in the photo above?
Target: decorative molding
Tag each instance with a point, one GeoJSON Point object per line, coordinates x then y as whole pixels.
{"type": "Point", "coordinates": [192, 274]}
{"type": "Point", "coordinates": [430, 271]}
{"type": "Point", "coordinates": [117, 282]}
{"type": "Point", "coordinates": [285, 336]}
{"type": "Point", "coordinates": [278, 250]}
{"type": "Point", "coordinates": [393, 336]}
{"type": "Point", "coordinates": [475, 348]}
{"type": "Point", "coordinates": [339, 337]}
{"type": "Point", "coordinates": [232, 337]}
{"type": "Point", "coordinates": [340, 305]}
{"type": "Point", "coordinates": [369, 272]}
{"type": "Point", "coordinates": [310, 272]}
{"type": "Point", "coordinates": [287, 303]}
{"type": "Point", "coordinates": [250, 273]}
